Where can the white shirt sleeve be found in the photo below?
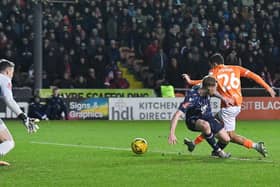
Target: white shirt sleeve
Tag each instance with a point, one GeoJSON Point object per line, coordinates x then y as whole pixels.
{"type": "Point", "coordinates": [7, 94]}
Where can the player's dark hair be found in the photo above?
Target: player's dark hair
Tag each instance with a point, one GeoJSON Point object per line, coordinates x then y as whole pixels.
{"type": "Point", "coordinates": [208, 81]}
{"type": "Point", "coordinates": [4, 64]}
{"type": "Point", "coordinates": [216, 58]}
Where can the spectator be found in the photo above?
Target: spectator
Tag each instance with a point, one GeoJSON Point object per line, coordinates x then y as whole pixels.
{"type": "Point", "coordinates": [266, 76]}
{"type": "Point", "coordinates": [25, 55]}
{"type": "Point", "coordinates": [3, 40]}
{"type": "Point", "coordinates": [158, 64]}
{"type": "Point", "coordinates": [152, 50]}
{"type": "Point", "coordinates": [92, 80]}
{"type": "Point", "coordinates": [112, 26]}
{"type": "Point", "coordinates": [119, 81]}
{"type": "Point", "coordinates": [233, 59]}
{"type": "Point", "coordinates": [81, 67]}
{"type": "Point", "coordinates": [50, 64]}
{"type": "Point", "coordinates": [109, 78]}
{"type": "Point", "coordinates": [184, 29]}
{"type": "Point", "coordinates": [45, 81]}
{"type": "Point", "coordinates": [99, 63]}
{"type": "Point", "coordinates": [56, 108]}
{"type": "Point", "coordinates": [113, 52]}
{"type": "Point", "coordinates": [66, 82]}
{"type": "Point", "coordinates": [276, 80]}
{"type": "Point", "coordinates": [80, 82]}
{"type": "Point", "coordinates": [37, 110]}
{"type": "Point", "coordinates": [173, 74]}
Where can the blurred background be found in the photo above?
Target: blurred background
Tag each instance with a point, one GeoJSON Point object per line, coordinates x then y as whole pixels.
{"type": "Point", "coordinates": [135, 44]}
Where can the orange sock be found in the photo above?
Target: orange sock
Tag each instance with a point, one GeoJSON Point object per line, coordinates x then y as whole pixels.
{"type": "Point", "coordinates": [198, 139]}
{"type": "Point", "coordinates": [248, 143]}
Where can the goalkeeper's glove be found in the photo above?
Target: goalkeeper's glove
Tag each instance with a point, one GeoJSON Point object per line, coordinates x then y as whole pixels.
{"type": "Point", "coordinates": [29, 123]}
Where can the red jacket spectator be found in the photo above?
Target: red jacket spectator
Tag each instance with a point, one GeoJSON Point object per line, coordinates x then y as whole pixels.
{"type": "Point", "coordinates": [119, 81]}
{"type": "Point", "coordinates": [152, 49]}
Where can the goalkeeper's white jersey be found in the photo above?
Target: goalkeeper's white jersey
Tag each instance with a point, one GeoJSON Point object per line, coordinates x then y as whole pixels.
{"type": "Point", "coordinates": [5, 86]}
{"type": "Point", "coordinates": [7, 94]}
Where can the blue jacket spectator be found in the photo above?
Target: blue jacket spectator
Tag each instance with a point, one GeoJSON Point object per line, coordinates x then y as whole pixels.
{"type": "Point", "coordinates": [37, 110]}
{"type": "Point", "coordinates": [56, 107]}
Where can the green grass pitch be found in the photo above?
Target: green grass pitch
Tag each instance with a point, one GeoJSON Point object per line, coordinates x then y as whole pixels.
{"type": "Point", "coordinates": [97, 153]}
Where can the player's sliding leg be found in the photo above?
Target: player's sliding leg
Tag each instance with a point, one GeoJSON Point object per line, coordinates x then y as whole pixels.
{"type": "Point", "coordinates": [221, 143]}
{"type": "Point", "coordinates": [6, 142]}
{"type": "Point", "coordinates": [200, 138]}
{"type": "Point", "coordinates": [228, 116]}
{"type": "Point", "coordinates": [222, 136]}
{"type": "Point", "coordinates": [235, 138]}
{"type": "Point", "coordinates": [220, 133]}
{"type": "Point", "coordinates": [205, 128]}
{"type": "Point", "coordinates": [191, 144]}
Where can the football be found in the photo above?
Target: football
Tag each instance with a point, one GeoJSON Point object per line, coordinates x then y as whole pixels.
{"type": "Point", "coordinates": [139, 145]}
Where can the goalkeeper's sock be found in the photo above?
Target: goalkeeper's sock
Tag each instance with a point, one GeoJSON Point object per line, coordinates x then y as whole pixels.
{"type": "Point", "coordinates": [250, 144]}
{"type": "Point", "coordinates": [198, 139]}
{"type": "Point", "coordinates": [210, 138]}
{"type": "Point", "coordinates": [6, 147]}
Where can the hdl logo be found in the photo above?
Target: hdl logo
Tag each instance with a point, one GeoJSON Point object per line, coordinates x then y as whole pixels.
{"type": "Point", "coordinates": [125, 113]}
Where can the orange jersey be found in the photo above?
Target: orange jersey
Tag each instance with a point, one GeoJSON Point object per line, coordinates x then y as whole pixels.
{"type": "Point", "coordinates": [228, 79]}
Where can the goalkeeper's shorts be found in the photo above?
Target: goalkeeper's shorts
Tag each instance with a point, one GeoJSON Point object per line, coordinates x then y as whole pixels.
{"type": "Point", "coordinates": [2, 125]}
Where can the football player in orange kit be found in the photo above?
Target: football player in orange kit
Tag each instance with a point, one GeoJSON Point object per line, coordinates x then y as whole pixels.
{"type": "Point", "coordinates": [229, 86]}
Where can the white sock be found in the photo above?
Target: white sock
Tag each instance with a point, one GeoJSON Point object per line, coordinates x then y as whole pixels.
{"type": "Point", "coordinates": [255, 145]}
{"type": "Point", "coordinates": [6, 147]}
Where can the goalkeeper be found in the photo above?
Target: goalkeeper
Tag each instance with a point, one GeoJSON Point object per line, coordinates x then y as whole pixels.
{"type": "Point", "coordinates": [6, 140]}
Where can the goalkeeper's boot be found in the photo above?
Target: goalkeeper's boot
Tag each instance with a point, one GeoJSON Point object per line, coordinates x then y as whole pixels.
{"type": "Point", "coordinates": [3, 163]}
{"type": "Point", "coordinates": [261, 149]}
{"type": "Point", "coordinates": [189, 144]}
{"type": "Point", "coordinates": [221, 154]}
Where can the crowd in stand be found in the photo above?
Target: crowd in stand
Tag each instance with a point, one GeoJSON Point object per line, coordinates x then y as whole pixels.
{"type": "Point", "coordinates": [81, 41]}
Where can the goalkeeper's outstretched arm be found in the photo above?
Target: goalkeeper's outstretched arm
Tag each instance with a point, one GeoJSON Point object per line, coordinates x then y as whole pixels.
{"type": "Point", "coordinates": [12, 104]}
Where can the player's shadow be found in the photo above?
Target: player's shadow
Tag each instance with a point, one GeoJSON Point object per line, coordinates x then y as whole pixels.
{"type": "Point", "coordinates": [158, 158]}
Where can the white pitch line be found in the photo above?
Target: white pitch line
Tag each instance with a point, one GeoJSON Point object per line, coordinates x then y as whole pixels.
{"type": "Point", "coordinates": [83, 146]}
{"type": "Point", "coordinates": [97, 147]}
{"type": "Point", "coordinates": [128, 149]}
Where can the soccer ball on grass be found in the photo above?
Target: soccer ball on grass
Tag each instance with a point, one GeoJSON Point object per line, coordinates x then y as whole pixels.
{"type": "Point", "coordinates": [139, 145]}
